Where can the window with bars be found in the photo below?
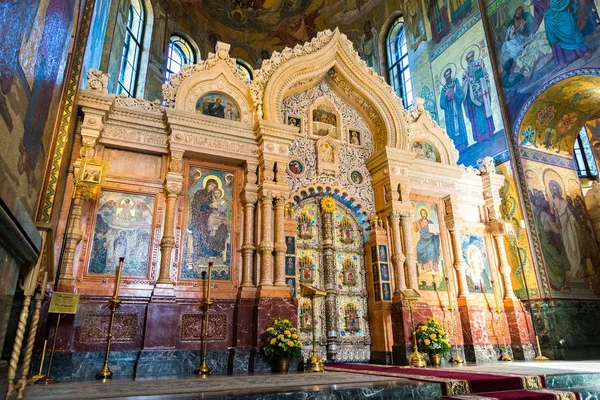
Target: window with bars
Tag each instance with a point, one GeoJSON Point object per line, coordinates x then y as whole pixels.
{"type": "Point", "coordinates": [180, 53]}
{"type": "Point", "coordinates": [397, 62]}
{"type": "Point", "coordinates": [584, 157]}
{"type": "Point", "coordinates": [132, 49]}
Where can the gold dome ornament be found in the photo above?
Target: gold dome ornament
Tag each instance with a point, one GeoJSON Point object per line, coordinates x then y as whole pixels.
{"type": "Point", "coordinates": [328, 204]}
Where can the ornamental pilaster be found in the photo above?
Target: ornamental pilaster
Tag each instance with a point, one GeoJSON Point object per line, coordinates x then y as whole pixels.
{"type": "Point", "coordinates": [172, 189]}
{"type": "Point", "coordinates": [279, 245]}
{"type": "Point", "coordinates": [249, 200]}
{"type": "Point", "coordinates": [398, 257]}
{"type": "Point", "coordinates": [410, 264]}
{"type": "Point", "coordinates": [266, 244]}
{"type": "Point", "coordinates": [454, 226]}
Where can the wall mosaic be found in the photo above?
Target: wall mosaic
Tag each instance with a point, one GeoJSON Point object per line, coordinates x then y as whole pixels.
{"type": "Point", "coordinates": [303, 148]}
{"type": "Point", "coordinates": [570, 253]}
{"type": "Point", "coordinates": [428, 247]}
{"type": "Point", "coordinates": [218, 105]}
{"type": "Point", "coordinates": [468, 106]}
{"type": "Point", "coordinates": [474, 253]}
{"type": "Point", "coordinates": [552, 122]}
{"type": "Point", "coordinates": [36, 38]}
{"type": "Point", "coordinates": [536, 41]}
{"type": "Point", "coordinates": [123, 229]}
{"type": "Point", "coordinates": [208, 223]}
{"type": "Point", "coordinates": [511, 211]}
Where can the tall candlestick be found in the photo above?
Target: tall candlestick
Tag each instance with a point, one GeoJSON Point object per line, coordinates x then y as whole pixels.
{"type": "Point", "coordinates": [119, 271]}
{"type": "Point", "coordinates": [457, 359]}
{"type": "Point", "coordinates": [204, 370]}
{"type": "Point", "coordinates": [105, 372]}
{"type": "Point", "coordinates": [210, 268]}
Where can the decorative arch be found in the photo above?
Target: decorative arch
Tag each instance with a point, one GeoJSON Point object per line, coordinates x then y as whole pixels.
{"type": "Point", "coordinates": [218, 73]}
{"type": "Point", "coordinates": [336, 192]}
{"type": "Point", "coordinates": [323, 103]}
{"type": "Point", "coordinates": [551, 120]}
{"type": "Point", "coordinates": [424, 128]}
{"type": "Point", "coordinates": [330, 55]}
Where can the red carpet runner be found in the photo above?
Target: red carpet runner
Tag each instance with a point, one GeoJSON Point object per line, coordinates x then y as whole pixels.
{"type": "Point", "coordinates": [466, 385]}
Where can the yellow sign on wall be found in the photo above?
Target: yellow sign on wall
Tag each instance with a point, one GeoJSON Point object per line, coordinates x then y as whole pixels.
{"type": "Point", "coordinates": [63, 303]}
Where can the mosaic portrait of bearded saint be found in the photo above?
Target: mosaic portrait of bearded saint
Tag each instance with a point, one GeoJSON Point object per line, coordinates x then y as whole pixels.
{"type": "Point", "coordinates": [451, 101]}
{"type": "Point", "coordinates": [478, 97]}
{"type": "Point", "coordinates": [209, 231]}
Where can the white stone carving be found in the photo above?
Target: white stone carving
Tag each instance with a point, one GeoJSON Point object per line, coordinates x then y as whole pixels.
{"type": "Point", "coordinates": [97, 81]}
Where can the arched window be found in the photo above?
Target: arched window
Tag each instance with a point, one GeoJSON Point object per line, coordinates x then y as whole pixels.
{"type": "Point", "coordinates": [397, 62]}
{"type": "Point", "coordinates": [180, 53]}
{"type": "Point", "coordinates": [584, 157]}
{"type": "Point", "coordinates": [132, 49]}
{"type": "Point", "coordinates": [245, 68]}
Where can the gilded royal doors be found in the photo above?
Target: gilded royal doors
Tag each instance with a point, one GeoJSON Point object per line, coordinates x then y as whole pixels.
{"type": "Point", "coordinates": [329, 255]}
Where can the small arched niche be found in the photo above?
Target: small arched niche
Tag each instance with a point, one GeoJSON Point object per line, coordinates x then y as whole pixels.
{"type": "Point", "coordinates": [324, 120]}
{"type": "Point", "coordinates": [425, 150]}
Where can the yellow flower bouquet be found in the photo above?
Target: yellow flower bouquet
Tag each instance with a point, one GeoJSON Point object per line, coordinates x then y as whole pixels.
{"type": "Point", "coordinates": [432, 338]}
{"type": "Point", "coordinates": [282, 341]}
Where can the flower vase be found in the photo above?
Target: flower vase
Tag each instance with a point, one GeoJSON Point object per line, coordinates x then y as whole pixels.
{"type": "Point", "coordinates": [281, 365]}
{"type": "Point", "coordinates": [436, 359]}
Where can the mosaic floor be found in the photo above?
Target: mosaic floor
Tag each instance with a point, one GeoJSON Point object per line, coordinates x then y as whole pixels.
{"type": "Point", "coordinates": [329, 385]}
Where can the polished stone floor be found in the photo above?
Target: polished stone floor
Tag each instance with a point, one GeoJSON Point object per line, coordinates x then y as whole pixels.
{"type": "Point", "coordinates": [328, 385]}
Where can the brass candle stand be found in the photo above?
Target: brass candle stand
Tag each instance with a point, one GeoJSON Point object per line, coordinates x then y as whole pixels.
{"type": "Point", "coordinates": [203, 370]}
{"type": "Point", "coordinates": [410, 297]}
{"type": "Point", "coordinates": [105, 373]}
{"type": "Point", "coordinates": [499, 322]}
{"type": "Point", "coordinates": [48, 379]}
{"type": "Point", "coordinates": [314, 363]}
{"type": "Point", "coordinates": [457, 359]}
{"type": "Point", "coordinates": [539, 356]}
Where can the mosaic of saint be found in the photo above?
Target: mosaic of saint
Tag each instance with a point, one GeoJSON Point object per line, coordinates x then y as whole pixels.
{"type": "Point", "coordinates": [324, 123]}
{"type": "Point", "coordinates": [520, 262]}
{"type": "Point", "coordinates": [565, 232]}
{"type": "Point", "coordinates": [208, 223]}
{"type": "Point", "coordinates": [538, 40]}
{"type": "Point", "coordinates": [475, 255]}
{"type": "Point", "coordinates": [123, 229]}
{"type": "Point", "coordinates": [424, 150]}
{"type": "Point", "coordinates": [218, 105]}
{"type": "Point", "coordinates": [426, 239]}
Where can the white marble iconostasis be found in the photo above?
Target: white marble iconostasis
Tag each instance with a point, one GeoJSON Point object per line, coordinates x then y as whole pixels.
{"type": "Point", "coordinates": [195, 180]}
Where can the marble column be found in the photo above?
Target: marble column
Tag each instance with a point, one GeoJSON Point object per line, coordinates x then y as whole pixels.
{"type": "Point", "coordinates": [504, 267]}
{"type": "Point", "coordinates": [410, 262]}
{"type": "Point", "coordinates": [279, 241]}
{"type": "Point", "coordinates": [266, 244]}
{"type": "Point", "coordinates": [459, 263]}
{"type": "Point", "coordinates": [248, 247]}
{"type": "Point", "coordinates": [167, 243]}
{"type": "Point", "coordinates": [398, 257]}
{"type": "Point", "coordinates": [173, 187]}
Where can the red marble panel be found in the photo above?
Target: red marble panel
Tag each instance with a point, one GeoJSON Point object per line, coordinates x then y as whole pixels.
{"type": "Point", "coordinates": [483, 326]}
{"type": "Point", "coordinates": [268, 309]}
{"type": "Point", "coordinates": [519, 324]}
{"type": "Point", "coordinates": [401, 323]}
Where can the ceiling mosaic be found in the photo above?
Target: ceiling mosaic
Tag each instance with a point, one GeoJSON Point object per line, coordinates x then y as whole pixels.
{"type": "Point", "coordinates": [553, 121]}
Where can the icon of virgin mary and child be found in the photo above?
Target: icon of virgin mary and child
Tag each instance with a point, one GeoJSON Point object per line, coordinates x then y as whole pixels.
{"type": "Point", "coordinates": [210, 221]}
